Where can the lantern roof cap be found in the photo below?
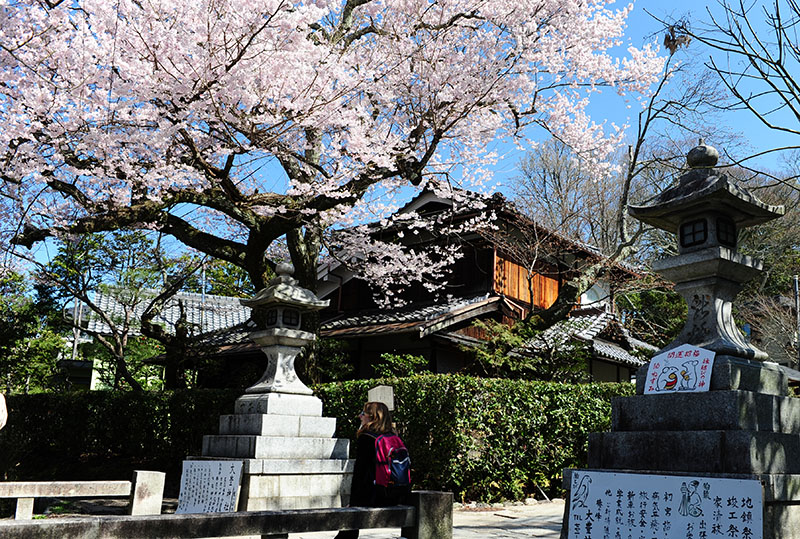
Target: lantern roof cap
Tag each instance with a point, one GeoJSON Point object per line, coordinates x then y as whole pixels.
{"type": "Point", "coordinates": [700, 190]}
{"type": "Point", "coordinates": [284, 290]}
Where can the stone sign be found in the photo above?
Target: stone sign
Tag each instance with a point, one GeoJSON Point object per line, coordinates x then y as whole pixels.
{"type": "Point", "coordinates": [606, 505]}
{"type": "Point", "coordinates": [384, 394]}
{"type": "Point", "coordinates": [683, 369]}
{"type": "Point", "coordinates": [209, 486]}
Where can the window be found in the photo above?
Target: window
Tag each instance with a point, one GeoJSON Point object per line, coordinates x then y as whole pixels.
{"type": "Point", "coordinates": [272, 317]}
{"type": "Point", "coordinates": [694, 233]}
{"type": "Point", "coordinates": [291, 318]}
{"type": "Point", "coordinates": [726, 232]}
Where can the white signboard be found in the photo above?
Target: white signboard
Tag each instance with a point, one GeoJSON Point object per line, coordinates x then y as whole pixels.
{"type": "Point", "coordinates": [686, 368]}
{"type": "Point", "coordinates": [606, 505]}
{"type": "Point", "coordinates": [209, 486]}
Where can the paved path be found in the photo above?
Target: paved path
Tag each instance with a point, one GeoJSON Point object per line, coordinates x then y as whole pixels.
{"type": "Point", "coordinates": [540, 520]}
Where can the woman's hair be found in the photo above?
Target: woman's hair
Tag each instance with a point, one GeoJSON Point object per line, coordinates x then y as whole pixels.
{"type": "Point", "coordinates": [379, 420]}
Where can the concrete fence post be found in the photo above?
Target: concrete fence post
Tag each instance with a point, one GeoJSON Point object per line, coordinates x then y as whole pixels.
{"type": "Point", "coordinates": [24, 509]}
{"type": "Point", "coordinates": [434, 515]}
{"type": "Point", "coordinates": [147, 493]}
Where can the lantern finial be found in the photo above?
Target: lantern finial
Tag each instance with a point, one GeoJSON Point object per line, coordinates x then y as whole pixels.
{"type": "Point", "coordinates": [702, 156]}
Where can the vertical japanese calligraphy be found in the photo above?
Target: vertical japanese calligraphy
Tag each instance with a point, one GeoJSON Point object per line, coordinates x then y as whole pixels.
{"type": "Point", "coordinates": [209, 486]}
{"type": "Point", "coordinates": [607, 505]}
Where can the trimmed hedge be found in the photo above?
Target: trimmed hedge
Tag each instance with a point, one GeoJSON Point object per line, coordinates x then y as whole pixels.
{"type": "Point", "coordinates": [107, 434]}
{"type": "Point", "coordinates": [483, 439]}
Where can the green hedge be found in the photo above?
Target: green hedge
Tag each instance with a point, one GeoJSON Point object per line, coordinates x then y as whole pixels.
{"type": "Point", "coordinates": [483, 439]}
{"type": "Point", "coordinates": [107, 434]}
{"type": "Point", "coordinates": [486, 439]}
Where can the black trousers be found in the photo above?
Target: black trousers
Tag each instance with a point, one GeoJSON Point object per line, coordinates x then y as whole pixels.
{"type": "Point", "coordinates": [382, 498]}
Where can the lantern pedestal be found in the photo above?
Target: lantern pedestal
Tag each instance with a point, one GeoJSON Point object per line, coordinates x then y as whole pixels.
{"type": "Point", "coordinates": [291, 459]}
{"type": "Point", "coordinates": [281, 346]}
{"type": "Point", "coordinates": [709, 280]}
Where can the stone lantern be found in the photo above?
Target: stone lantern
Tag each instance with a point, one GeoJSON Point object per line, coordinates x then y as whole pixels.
{"type": "Point", "coordinates": [706, 211]}
{"type": "Point", "coordinates": [291, 459]}
{"type": "Point", "coordinates": [742, 425]}
{"type": "Point", "coordinates": [281, 307]}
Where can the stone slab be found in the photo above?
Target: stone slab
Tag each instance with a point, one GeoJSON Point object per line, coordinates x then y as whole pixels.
{"type": "Point", "coordinates": [734, 373]}
{"type": "Point", "coordinates": [715, 410]}
{"type": "Point", "coordinates": [38, 489]}
{"type": "Point", "coordinates": [278, 425]}
{"type": "Point", "coordinates": [781, 500]}
{"type": "Point", "coordinates": [269, 486]}
{"type": "Point", "coordinates": [24, 509]}
{"type": "Point", "coordinates": [298, 466]}
{"type": "Point", "coordinates": [777, 487]}
{"type": "Point", "coordinates": [277, 447]}
{"type": "Point", "coordinates": [782, 521]}
{"type": "Point", "coordinates": [279, 403]}
{"type": "Point", "coordinates": [297, 502]}
{"type": "Point", "coordinates": [147, 493]}
{"type": "Point", "coordinates": [744, 452]}
{"type": "Point", "coordinates": [236, 524]}
{"type": "Point", "coordinates": [434, 515]}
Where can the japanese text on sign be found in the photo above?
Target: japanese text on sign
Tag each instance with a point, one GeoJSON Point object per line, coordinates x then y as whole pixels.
{"type": "Point", "coordinates": [209, 486]}
{"type": "Point", "coordinates": [686, 368]}
{"type": "Point", "coordinates": [606, 505]}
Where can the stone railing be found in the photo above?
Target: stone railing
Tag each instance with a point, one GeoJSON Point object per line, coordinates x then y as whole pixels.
{"type": "Point", "coordinates": [430, 516]}
{"type": "Point", "coordinates": [146, 492]}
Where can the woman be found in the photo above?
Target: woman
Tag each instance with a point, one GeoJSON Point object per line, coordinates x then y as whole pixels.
{"type": "Point", "coordinates": [375, 421]}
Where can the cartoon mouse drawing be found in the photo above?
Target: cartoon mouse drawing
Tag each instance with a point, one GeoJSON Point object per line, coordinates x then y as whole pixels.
{"type": "Point", "coordinates": [668, 379]}
{"type": "Point", "coordinates": [688, 375]}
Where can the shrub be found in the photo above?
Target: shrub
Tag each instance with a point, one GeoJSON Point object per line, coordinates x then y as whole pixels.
{"type": "Point", "coordinates": [400, 365]}
{"type": "Point", "coordinates": [485, 439]}
{"type": "Point", "coordinates": [482, 439]}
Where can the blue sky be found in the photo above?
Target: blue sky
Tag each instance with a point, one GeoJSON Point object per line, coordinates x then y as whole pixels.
{"type": "Point", "coordinates": [643, 28]}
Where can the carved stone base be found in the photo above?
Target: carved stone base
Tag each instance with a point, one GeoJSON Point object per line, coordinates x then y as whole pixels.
{"type": "Point", "coordinates": [279, 403]}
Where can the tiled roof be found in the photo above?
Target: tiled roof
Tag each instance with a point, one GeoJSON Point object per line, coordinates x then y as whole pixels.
{"type": "Point", "coordinates": [587, 328]}
{"type": "Point", "coordinates": [615, 354]}
{"type": "Point", "coordinates": [204, 313]}
{"type": "Point", "coordinates": [236, 339]}
{"type": "Point", "coordinates": [411, 314]}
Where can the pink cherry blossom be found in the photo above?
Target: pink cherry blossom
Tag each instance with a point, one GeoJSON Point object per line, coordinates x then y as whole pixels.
{"type": "Point", "coordinates": [272, 116]}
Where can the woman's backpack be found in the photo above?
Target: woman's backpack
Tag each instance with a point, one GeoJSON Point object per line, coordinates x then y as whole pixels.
{"type": "Point", "coordinates": [392, 463]}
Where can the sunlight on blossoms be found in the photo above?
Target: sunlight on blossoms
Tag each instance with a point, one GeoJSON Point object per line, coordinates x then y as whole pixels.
{"type": "Point", "coordinates": [231, 125]}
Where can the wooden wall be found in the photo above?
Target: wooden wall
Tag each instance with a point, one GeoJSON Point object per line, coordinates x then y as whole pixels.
{"type": "Point", "coordinates": [511, 279]}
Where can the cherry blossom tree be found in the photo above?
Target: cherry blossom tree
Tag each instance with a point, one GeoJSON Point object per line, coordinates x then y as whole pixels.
{"type": "Point", "coordinates": [229, 124]}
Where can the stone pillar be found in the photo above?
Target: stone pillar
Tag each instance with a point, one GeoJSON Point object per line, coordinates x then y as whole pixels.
{"type": "Point", "coordinates": [291, 460]}
{"type": "Point", "coordinates": [434, 516]}
{"type": "Point", "coordinates": [745, 426]}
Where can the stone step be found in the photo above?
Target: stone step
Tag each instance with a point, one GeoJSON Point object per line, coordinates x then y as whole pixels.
{"type": "Point", "coordinates": [275, 486]}
{"type": "Point", "coordinates": [713, 410]}
{"type": "Point", "coordinates": [734, 452]}
{"type": "Point", "coordinates": [278, 403]}
{"type": "Point", "coordinates": [288, 466]}
{"type": "Point", "coordinates": [298, 466]}
{"type": "Point", "coordinates": [274, 447]}
{"type": "Point", "coordinates": [292, 502]}
{"type": "Point", "coordinates": [277, 425]}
